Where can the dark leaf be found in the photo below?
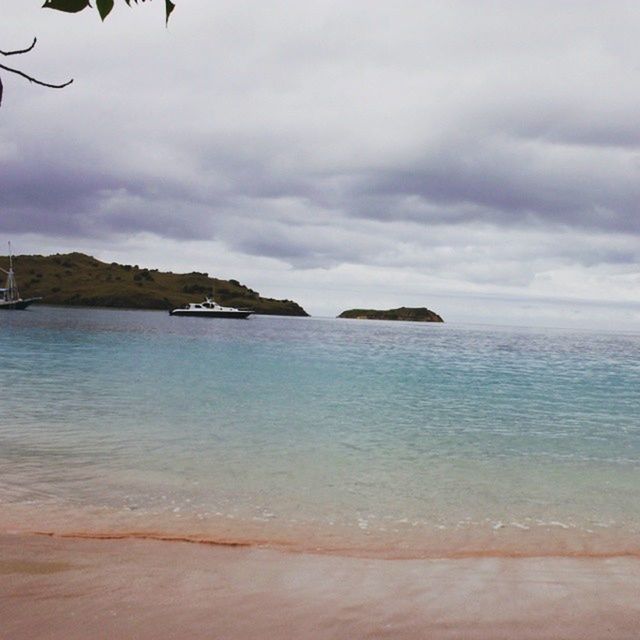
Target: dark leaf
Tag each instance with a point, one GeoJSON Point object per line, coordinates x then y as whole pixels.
{"type": "Point", "coordinates": [169, 8]}
{"type": "Point", "coordinates": [104, 7]}
{"type": "Point", "coordinates": [70, 6]}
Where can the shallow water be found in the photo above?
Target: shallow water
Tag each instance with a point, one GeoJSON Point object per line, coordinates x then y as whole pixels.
{"type": "Point", "coordinates": [360, 437]}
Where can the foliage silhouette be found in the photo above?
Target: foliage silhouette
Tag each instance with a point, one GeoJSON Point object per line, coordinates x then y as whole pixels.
{"type": "Point", "coordinates": [103, 7]}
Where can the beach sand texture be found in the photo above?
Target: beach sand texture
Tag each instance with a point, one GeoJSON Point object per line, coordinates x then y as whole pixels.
{"type": "Point", "coordinates": [57, 588]}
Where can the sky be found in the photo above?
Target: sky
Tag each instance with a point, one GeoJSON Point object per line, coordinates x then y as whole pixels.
{"type": "Point", "coordinates": [480, 158]}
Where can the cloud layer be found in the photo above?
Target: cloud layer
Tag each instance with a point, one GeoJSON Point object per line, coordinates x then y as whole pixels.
{"type": "Point", "coordinates": [493, 146]}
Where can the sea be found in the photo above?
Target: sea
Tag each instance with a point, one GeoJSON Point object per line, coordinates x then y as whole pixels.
{"type": "Point", "coordinates": [353, 437]}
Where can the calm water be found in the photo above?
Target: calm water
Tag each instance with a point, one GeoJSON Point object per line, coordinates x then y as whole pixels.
{"type": "Point", "coordinates": [347, 436]}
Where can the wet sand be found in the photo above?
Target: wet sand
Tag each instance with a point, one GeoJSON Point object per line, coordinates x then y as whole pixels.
{"type": "Point", "coordinates": [76, 589]}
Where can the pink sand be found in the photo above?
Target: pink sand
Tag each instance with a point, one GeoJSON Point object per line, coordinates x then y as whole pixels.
{"type": "Point", "coordinates": [70, 589]}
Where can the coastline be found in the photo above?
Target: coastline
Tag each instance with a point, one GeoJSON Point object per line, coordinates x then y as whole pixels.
{"type": "Point", "coordinates": [371, 538]}
{"type": "Point", "coordinates": [53, 587]}
{"type": "Point", "coordinates": [474, 548]}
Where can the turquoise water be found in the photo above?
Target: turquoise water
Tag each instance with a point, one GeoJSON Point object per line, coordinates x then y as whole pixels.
{"type": "Point", "coordinates": [357, 436]}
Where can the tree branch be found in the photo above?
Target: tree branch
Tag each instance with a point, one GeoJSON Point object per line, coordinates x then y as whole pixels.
{"type": "Point", "coordinates": [20, 51]}
{"type": "Point", "coordinates": [34, 80]}
{"type": "Point", "coordinates": [22, 74]}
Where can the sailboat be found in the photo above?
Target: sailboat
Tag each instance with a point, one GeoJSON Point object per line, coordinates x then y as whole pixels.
{"type": "Point", "coordinates": [10, 296]}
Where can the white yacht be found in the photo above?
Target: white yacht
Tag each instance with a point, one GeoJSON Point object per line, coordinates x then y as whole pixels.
{"type": "Point", "coordinates": [210, 309]}
{"type": "Point", "coordinates": [10, 296]}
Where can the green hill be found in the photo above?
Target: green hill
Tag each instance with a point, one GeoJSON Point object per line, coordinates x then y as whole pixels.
{"type": "Point", "coordinates": [407, 314]}
{"type": "Point", "coordinates": [80, 280]}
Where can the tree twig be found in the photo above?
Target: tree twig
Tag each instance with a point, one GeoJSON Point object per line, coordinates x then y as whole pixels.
{"type": "Point", "coordinates": [34, 80]}
{"type": "Point", "coordinates": [19, 51]}
{"type": "Point", "coordinates": [26, 75]}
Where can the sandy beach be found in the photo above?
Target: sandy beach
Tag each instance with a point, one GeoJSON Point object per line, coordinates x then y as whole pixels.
{"type": "Point", "coordinates": [57, 588]}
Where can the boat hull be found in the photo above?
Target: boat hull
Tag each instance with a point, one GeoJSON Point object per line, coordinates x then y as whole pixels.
{"type": "Point", "coordinates": [186, 313]}
{"type": "Point", "coordinates": [17, 304]}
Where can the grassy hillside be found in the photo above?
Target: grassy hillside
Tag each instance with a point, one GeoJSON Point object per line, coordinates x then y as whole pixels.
{"type": "Point", "coordinates": [407, 314]}
{"type": "Point", "coordinates": [79, 279]}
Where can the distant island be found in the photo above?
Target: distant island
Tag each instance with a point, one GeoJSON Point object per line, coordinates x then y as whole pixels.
{"type": "Point", "coordinates": [407, 314]}
{"type": "Point", "coordinates": [81, 280]}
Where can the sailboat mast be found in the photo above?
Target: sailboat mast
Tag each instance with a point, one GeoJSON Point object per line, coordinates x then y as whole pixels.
{"type": "Point", "coordinates": [12, 292]}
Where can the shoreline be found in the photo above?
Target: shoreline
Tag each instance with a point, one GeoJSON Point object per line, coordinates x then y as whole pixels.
{"type": "Point", "coordinates": [362, 553]}
{"type": "Point", "coordinates": [77, 588]}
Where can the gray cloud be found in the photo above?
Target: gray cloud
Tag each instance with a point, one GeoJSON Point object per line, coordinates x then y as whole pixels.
{"type": "Point", "coordinates": [512, 186]}
{"type": "Point", "coordinates": [490, 147]}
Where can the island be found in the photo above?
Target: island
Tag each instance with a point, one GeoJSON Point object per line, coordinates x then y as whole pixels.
{"type": "Point", "coordinates": [407, 314]}
{"type": "Point", "coordinates": [80, 280]}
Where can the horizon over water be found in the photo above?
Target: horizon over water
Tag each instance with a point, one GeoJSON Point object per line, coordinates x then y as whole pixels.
{"type": "Point", "coordinates": [352, 437]}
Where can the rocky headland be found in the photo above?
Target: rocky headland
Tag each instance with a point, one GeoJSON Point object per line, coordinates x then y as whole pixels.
{"type": "Point", "coordinates": [81, 280]}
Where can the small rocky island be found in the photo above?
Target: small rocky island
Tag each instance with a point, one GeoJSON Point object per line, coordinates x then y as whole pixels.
{"type": "Point", "coordinates": [407, 314]}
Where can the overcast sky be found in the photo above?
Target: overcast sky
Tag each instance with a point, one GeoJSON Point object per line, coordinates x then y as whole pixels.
{"type": "Point", "coordinates": [478, 158]}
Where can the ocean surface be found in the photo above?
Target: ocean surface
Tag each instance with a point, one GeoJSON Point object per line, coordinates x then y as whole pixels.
{"type": "Point", "coordinates": [340, 436]}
